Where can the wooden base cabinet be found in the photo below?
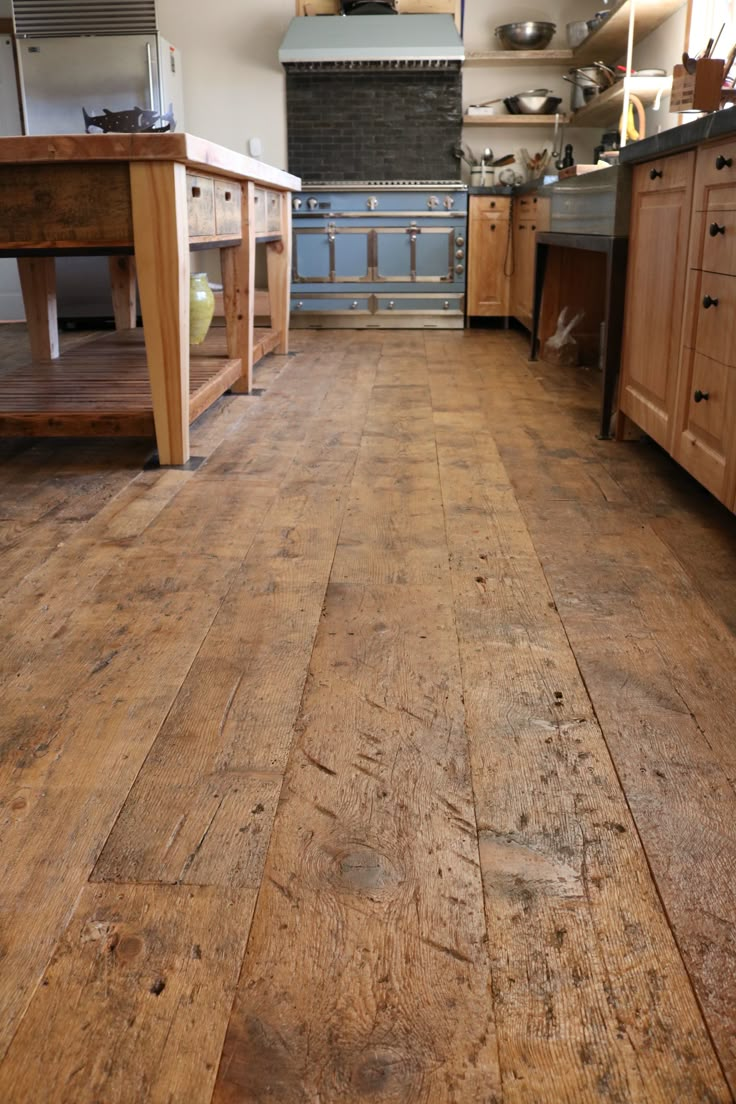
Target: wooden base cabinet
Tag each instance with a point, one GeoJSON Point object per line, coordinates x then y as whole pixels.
{"type": "Point", "coordinates": [489, 256]}
{"type": "Point", "coordinates": [655, 292]}
{"type": "Point", "coordinates": [705, 424]}
{"type": "Point", "coordinates": [530, 215]}
{"type": "Point", "coordinates": [678, 380]}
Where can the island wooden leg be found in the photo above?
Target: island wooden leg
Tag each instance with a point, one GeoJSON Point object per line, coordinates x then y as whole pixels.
{"type": "Point", "coordinates": [279, 277]}
{"type": "Point", "coordinates": [38, 284]}
{"type": "Point", "coordinates": [238, 293]}
{"type": "Point", "coordinates": [123, 287]}
{"type": "Point", "coordinates": [161, 239]}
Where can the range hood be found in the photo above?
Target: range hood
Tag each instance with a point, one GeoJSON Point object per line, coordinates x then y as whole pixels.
{"type": "Point", "coordinates": [391, 41]}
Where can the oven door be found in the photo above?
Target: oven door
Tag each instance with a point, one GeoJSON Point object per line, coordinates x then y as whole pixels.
{"type": "Point", "coordinates": [415, 253]}
{"type": "Point", "coordinates": [331, 253]}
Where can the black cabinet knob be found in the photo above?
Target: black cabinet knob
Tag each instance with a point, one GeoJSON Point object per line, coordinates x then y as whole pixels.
{"type": "Point", "coordinates": [701, 396]}
{"type": "Point", "coordinates": [708, 302]}
{"type": "Point", "coordinates": [715, 230]}
{"type": "Point", "coordinates": [654, 173]}
{"type": "Point", "coordinates": [723, 162]}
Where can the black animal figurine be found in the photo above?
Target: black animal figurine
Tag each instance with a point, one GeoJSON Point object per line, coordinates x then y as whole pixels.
{"type": "Point", "coordinates": [134, 121]}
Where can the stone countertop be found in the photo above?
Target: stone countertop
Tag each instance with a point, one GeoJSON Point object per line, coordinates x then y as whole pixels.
{"type": "Point", "coordinates": [719, 124]}
{"type": "Point", "coordinates": [508, 190]}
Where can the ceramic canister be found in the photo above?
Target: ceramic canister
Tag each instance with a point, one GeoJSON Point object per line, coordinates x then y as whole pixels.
{"type": "Point", "coordinates": [201, 307]}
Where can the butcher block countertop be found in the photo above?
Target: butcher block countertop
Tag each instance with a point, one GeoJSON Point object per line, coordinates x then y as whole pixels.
{"type": "Point", "coordinates": [196, 153]}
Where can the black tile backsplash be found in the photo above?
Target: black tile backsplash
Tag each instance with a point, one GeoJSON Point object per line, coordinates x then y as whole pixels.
{"type": "Point", "coordinates": [374, 125]}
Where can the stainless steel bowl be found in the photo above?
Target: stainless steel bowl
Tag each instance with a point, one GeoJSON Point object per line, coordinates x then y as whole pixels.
{"type": "Point", "coordinates": [532, 35]}
{"type": "Point", "coordinates": [539, 101]}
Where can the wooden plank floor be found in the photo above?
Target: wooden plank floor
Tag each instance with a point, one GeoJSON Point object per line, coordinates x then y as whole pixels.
{"type": "Point", "coordinates": [387, 756]}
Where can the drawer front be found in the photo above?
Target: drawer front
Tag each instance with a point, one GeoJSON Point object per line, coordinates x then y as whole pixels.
{"type": "Point", "coordinates": [706, 418]}
{"type": "Point", "coordinates": [273, 212]}
{"type": "Point", "coordinates": [714, 241]}
{"type": "Point", "coordinates": [228, 198]}
{"type": "Point", "coordinates": [483, 206]}
{"type": "Point", "coordinates": [201, 206]}
{"type": "Point", "coordinates": [452, 304]}
{"type": "Point", "coordinates": [261, 213]}
{"type": "Point", "coordinates": [664, 174]}
{"type": "Point", "coordinates": [347, 305]}
{"type": "Point", "coordinates": [716, 169]}
{"type": "Point", "coordinates": [714, 306]}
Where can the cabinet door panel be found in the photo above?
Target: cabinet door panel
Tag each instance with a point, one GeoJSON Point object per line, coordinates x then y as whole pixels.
{"type": "Point", "coordinates": [522, 281]}
{"type": "Point", "coordinates": [705, 420]}
{"type": "Point", "coordinates": [655, 291]}
{"type": "Point", "coordinates": [488, 285]}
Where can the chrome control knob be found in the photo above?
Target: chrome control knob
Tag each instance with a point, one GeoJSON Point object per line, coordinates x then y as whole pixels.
{"type": "Point", "coordinates": [460, 241]}
{"type": "Point", "coordinates": [297, 204]}
{"type": "Point", "coordinates": [433, 203]}
{"type": "Point", "coordinates": [460, 254]}
{"type": "Point", "coordinates": [446, 304]}
{"type": "Point", "coordinates": [459, 268]}
{"type": "Point", "coordinates": [354, 304]}
{"type": "Point", "coordinates": [391, 305]}
{"type": "Point", "coordinates": [448, 202]}
{"type": "Point", "coordinates": [312, 203]}
{"type": "Point", "coordinates": [372, 203]}
{"type": "Point", "coordinates": [299, 305]}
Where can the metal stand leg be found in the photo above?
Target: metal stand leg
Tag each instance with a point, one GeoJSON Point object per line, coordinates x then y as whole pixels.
{"type": "Point", "coordinates": [615, 294]}
{"type": "Point", "coordinates": [540, 270]}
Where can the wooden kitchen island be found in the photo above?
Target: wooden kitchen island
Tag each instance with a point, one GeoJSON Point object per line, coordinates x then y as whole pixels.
{"type": "Point", "coordinates": [145, 201]}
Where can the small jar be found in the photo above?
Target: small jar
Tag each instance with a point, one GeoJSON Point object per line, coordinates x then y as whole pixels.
{"type": "Point", "coordinates": [201, 307]}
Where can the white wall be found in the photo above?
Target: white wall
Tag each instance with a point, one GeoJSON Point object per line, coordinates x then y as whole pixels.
{"type": "Point", "coordinates": [234, 85]}
{"type": "Point", "coordinates": [661, 50]}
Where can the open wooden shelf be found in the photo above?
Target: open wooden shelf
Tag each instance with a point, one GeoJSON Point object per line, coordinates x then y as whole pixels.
{"type": "Point", "coordinates": [514, 120]}
{"type": "Point", "coordinates": [607, 43]}
{"type": "Point", "coordinates": [606, 108]}
{"type": "Point", "coordinates": [520, 57]}
{"type": "Point", "coordinates": [101, 388]}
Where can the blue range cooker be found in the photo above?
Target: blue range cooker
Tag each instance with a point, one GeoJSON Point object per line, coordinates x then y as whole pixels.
{"type": "Point", "coordinates": [380, 254]}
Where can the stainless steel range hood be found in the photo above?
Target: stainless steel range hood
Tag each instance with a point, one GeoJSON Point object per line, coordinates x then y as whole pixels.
{"type": "Point", "coordinates": [395, 41]}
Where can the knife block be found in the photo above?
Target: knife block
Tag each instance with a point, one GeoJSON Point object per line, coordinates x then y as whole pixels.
{"type": "Point", "coordinates": [698, 91]}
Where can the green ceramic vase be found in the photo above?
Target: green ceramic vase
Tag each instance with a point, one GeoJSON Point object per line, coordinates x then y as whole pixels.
{"type": "Point", "coordinates": [201, 307]}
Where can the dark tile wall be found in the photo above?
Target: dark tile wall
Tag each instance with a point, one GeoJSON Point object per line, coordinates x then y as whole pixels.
{"type": "Point", "coordinates": [374, 125]}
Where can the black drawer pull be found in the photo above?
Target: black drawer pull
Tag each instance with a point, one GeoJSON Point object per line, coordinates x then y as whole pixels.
{"type": "Point", "coordinates": [701, 396]}
{"type": "Point", "coordinates": [715, 230]}
{"type": "Point", "coordinates": [493, 228]}
{"type": "Point", "coordinates": [723, 162]}
{"type": "Point", "coordinates": [228, 196]}
{"type": "Point", "coordinates": [196, 192]}
{"type": "Point", "coordinates": [654, 173]}
{"type": "Point", "coordinates": [708, 302]}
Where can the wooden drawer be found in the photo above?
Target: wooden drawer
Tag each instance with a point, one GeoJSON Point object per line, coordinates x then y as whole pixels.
{"type": "Point", "coordinates": [716, 169]}
{"type": "Point", "coordinates": [273, 212]}
{"type": "Point", "coordinates": [485, 206]}
{"type": "Point", "coordinates": [705, 421]}
{"type": "Point", "coordinates": [713, 245]}
{"type": "Point", "coordinates": [664, 174]}
{"type": "Point", "coordinates": [228, 198]}
{"type": "Point", "coordinates": [711, 330]}
{"type": "Point", "coordinates": [201, 206]}
{"type": "Point", "coordinates": [259, 202]}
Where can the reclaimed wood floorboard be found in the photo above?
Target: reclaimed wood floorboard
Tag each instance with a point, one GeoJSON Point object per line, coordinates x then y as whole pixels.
{"type": "Point", "coordinates": [385, 756]}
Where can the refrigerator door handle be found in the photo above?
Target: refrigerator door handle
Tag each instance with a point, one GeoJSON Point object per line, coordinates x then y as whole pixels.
{"type": "Point", "coordinates": [149, 62]}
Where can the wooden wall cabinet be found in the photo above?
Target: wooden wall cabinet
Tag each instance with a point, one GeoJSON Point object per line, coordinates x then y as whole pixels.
{"type": "Point", "coordinates": [655, 292]}
{"type": "Point", "coordinates": [678, 379]}
{"type": "Point", "coordinates": [489, 256]}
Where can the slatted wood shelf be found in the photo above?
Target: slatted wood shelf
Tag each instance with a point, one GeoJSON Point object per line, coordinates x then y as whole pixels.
{"type": "Point", "coordinates": [101, 387]}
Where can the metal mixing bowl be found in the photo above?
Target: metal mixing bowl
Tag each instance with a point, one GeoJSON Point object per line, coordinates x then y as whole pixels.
{"type": "Point", "coordinates": [539, 101]}
{"type": "Point", "coordinates": [526, 36]}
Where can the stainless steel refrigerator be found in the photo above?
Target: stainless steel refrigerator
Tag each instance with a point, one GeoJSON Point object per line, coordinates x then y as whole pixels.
{"type": "Point", "coordinates": [63, 75]}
